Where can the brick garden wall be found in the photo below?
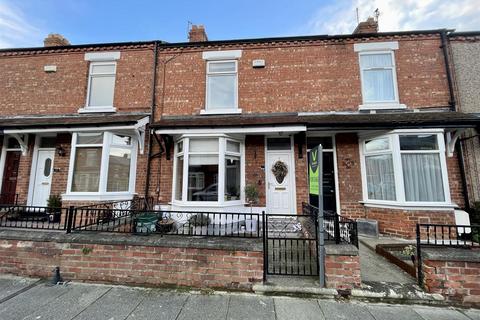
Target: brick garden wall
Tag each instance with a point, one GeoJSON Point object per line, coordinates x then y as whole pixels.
{"type": "Point", "coordinates": [456, 278]}
{"type": "Point", "coordinates": [342, 267]}
{"type": "Point", "coordinates": [134, 264]}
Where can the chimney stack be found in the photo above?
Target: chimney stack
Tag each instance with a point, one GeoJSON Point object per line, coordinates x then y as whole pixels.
{"type": "Point", "coordinates": [197, 33]}
{"type": "Point", "coordinates": [55, 40]}
{"type": "Point", "coordinates": [369, 26]}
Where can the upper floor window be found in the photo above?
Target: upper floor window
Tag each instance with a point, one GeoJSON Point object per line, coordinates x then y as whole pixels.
{"type": "Point", "coordinates": [378, 75]}
{"type": "Point", "coordinates": [101, 81]}
{"type": "Point", "coordinates": [101, 84]}
{"type": "Point", "coordinates": [222, 81]}
{"type": "Point", "coordinates": [221, 85]}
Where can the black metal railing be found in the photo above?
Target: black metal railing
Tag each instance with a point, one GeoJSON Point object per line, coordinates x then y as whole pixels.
{"type": "Point", "coordinates": [183, 223]}
{"type": "Point", "coordinates": [136, 203]}
{"type": "Point", "coordinates": [31, 217]}
{"type": "Point", "coordinates": [337, 228]}
{"type": "Point", "coordinates": [444, 235]}
{"type": "Point", "coordinates": [9, 198]}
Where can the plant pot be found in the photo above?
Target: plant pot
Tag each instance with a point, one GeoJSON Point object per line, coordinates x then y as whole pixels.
{"type": "Point", "coordinates": [165, 226]}
{"type": "Point", "coordinates": [54, 217]}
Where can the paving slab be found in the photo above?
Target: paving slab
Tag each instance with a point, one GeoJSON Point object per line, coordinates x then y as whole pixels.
{"type": "Point", "coordinates": [298, 309]}
{"type": "Point", "coordinates": [204, 307]}
{"type": "Point", "coordinates": [389, 312]}
{"type": "Point", "coordinates": [159, 305]}
{"type": "Point", "coordinates": [117, 303]}
{"type": "Point", "coordinates": [439, 314]}
{"type": "Point", "coordinates": [374, 267]}
{"type": "Point", "coordinates": [12, 285]}
{"type": "Point", "coordinates": [344, 311]}
{"type": "Point", "coordinates": [472, 314]}
{"type": "Point", "coordinates": [78, 298]}
{"type": "Point", "coordinates": [31, 300]}
{"type": "Point", "coordinates": [250, 307]}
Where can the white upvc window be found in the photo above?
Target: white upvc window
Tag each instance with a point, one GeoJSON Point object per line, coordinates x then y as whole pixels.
{"type": "Point", "coordinates": [406, 168]}
{"type": "Point", "coordinates": [208, 170]}
{"type": "Point", "coordinates": [102, 166]}
{"type": "Point", "coordinates": [378, 75]}
{"type": "Point", "coordinates": [222, 87]}
{"type": "Point", "coordinates": [101, 87]}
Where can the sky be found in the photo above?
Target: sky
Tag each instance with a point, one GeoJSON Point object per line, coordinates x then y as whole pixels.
{"type": "Point", "coordinates": [25, 23]}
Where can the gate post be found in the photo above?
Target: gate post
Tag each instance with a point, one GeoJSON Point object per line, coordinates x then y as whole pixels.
{"type": "Point", "coordinates": [265, 247]}
{"type": "Point", "coordinates": [71, 210]}
{"type": "Point", "coordinates": [321, 227]}
{"type": "Point", "coordinates": [419, 258]}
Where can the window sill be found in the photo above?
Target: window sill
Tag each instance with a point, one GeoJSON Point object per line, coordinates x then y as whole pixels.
{"type": "Point", "coordinates": [381, 106]}
{"type": "Point", "coordinates": [96, 109]}
{"type": "Point", "coordinates": [410, 206]}
{"type": "Point", "coordinates": [220, 111]}
{"type": "Point", "coordinates": [97, 196]}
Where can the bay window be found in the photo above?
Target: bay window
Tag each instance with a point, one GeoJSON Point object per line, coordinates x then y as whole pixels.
{"type": "Point", "coordinates": [207, 170]}
{"type": "Point", "coordinates": [102, 163]}
{"type": "Point", "coordinates": [405, 167]}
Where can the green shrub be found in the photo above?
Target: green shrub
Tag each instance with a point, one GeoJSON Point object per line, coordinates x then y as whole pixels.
{"type": "Point", "coordinates": [54, 201]}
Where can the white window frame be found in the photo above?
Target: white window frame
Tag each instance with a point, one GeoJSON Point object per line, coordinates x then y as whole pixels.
{"type": "Point", "coordinates": [102, 193]}
{"type": "Point", "coordinates": [88, 108]}
{"type": "Point", "coordinates": [379, 48]}
{"type": "Point", "coordinates": [223, 110]}
{"type": "Point", "coordinates": [394, 138]}
{"type": "Point", "coordinates": [222, 153]}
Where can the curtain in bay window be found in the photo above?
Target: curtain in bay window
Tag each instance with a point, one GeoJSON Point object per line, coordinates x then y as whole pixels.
{"type": "Point", "coordinates": [422, 177]}
{"type": "Point", "coordinates": [380, 177]}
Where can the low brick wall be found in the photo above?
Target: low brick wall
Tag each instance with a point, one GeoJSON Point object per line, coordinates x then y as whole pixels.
{"type": "Point", "coordinates": [453, 273]}
{"type": "Point", "coordinates": [152, 261]}
{"type": "Point", "coordinates": [342, 267]}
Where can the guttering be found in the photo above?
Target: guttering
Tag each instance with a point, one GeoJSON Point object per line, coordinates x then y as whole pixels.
{"type": "Point", "coordinates": [444, 46]}
{"type": "Point", "coordinates": [152, 117]}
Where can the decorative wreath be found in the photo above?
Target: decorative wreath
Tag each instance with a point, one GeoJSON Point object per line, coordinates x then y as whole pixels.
{"type": "Point", "coordinates": [280, 171]}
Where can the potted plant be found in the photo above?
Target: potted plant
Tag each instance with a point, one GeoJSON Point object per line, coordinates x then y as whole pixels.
{"type": "Point", "coordinates": [251, 195]}
{"type": "Point", "coordinates": [54, 204]}
{"type": "Point", "coordinates": [199, 224]}
{"type": "Point", "coordinates": [165, 224]}
{"type": "Point", "coordinates": [409, 251]}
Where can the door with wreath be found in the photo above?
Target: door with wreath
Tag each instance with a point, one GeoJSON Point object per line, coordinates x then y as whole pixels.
{"type": "Point", "coordinates": [280, 174]}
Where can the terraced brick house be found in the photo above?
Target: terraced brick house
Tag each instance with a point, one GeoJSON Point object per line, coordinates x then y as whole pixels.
{"type": "Point", "coordinates": [229, 114]}
{"type": "Point", "coordinates": [73, 121]}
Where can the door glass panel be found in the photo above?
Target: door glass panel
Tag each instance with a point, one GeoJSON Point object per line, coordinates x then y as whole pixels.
{"type": "Point", "coordinates": [278, 144]}
{"type": "Point", "coordinates": [48, 142]}
{"type": "Point", "coordinates": [313, 142]}
{"type": "Point", "coordinates": [47, 167]}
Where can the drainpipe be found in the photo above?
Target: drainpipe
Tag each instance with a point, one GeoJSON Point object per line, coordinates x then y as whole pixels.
{"type": "Point", "coordinates": [453, 107]}
{"type": "Point", "coordinates": [152, 118]}
{"type": "Point", "coordinates": [444, 46]}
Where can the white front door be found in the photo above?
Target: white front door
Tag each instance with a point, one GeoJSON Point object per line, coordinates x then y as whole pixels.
{"type": "Point", "coordinates": [280, 187]}
{"type": "Point", "coordinates": [43, 177]}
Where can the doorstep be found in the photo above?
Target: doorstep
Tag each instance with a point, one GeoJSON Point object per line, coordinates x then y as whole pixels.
{"type": "Point", "coordinates": [371, 292]}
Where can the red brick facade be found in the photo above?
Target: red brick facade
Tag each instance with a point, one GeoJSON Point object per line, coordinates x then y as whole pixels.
{"type": "Point", "coordinates": [342, 271]}
{"type": "Point", "coordinates": [313, 75]}
{"type": "Point", "coordinates": [457, 281]}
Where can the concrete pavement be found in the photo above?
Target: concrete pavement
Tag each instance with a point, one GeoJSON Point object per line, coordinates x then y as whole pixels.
{"type": "Point", "coordinates": [27, 299]}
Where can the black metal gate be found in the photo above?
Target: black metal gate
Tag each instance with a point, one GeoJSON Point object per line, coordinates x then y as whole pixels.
{"type": "Point", "coordinates": [290, 243]}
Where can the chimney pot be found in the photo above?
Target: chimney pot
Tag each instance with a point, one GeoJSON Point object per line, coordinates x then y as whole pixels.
{"type": "Point", "coordinates": [197, 33]}
{"type": "Point", "coordinates": [55, 40]}
{"type": "Point", "coordinates": [369, 26]}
